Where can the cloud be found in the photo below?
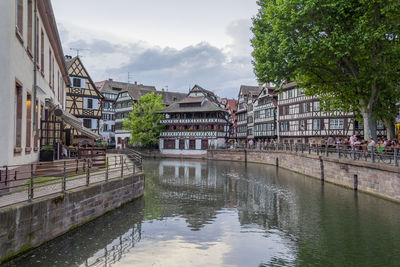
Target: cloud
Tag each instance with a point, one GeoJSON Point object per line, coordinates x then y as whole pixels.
{"type": "Point", "coordinates": [219, 70]}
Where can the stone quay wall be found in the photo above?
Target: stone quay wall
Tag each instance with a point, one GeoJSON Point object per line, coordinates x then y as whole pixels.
{"type": "Point", "coordinates": [28, 225]}
{"type": "Point", "coordinates": [378, 179]}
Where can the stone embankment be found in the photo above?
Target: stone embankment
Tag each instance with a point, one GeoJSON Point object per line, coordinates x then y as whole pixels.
{"type": "Point", "coordinates": [378, 179]}
{"type": "Point", "coordinates": [28, 225]}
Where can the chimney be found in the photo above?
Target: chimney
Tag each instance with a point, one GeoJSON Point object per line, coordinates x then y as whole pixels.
{"type": "Point", "coordinates": [110, 79]}
{"type": "Point", "coordinates": [135, 82]}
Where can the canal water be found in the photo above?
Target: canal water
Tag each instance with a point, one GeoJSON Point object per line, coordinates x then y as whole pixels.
{"type": "Point", "coordinates": [209, 213]}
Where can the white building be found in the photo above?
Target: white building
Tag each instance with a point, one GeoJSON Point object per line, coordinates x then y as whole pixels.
{"type": "Point", "coordinates": [32, 72]}
{"type": "Point", "coordinates": [194, 124]}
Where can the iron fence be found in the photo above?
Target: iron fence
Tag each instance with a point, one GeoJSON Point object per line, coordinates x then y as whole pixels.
{"type": "Point", "coordinates": [19, 183]}
{"type": "Point", "coordinates": [379, 154]}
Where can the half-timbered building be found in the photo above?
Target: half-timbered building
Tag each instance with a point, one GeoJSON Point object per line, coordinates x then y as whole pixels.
{"type": "Point", "coordinates": [245, 120]}
{"type": "Point", "coordinates": [194, 124]}
{"type": "Point", "coordinates": [124, 105]}
{"type": "Point", "coordinates": [265, 110]}
{"type": "Point", "coordinates": [301, 119]}
{"type": "Point", "coordinates": [84, 101]}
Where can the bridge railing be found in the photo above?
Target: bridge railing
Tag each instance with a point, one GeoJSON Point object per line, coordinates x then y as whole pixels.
{"type": "Point", "coordinates": [375, 154]}
{"type": "Point", "coordinates": [19, 183]}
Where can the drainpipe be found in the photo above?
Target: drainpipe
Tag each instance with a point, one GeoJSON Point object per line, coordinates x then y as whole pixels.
{"type": "Point", "coordinates": [35, 56]}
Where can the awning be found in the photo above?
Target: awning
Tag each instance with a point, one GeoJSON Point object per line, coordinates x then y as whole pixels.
{"type": "Point", "coordinates": [73, 121]}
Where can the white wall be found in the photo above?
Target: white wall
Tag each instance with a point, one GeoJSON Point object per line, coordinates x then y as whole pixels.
{"type": "Point", "coordinates": [17, 64]}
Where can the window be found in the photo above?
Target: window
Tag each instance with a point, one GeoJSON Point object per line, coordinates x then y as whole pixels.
{"type": "Point", "coordinates": [28, 120]}
{"type": "Point", "coordinates": [307, 107]}
{"type": "Point", "coordinates": [379, 125]}
{"type": "Point", "coordinates": [290, 93]}
{"type": "Point", "coordinates": [181, 144]}
{"type": "Point", "coordinates": [19, 16]}
{"type": "Point", "coordinates": [18, 115]}
{"type": "Point", "coordinates": [50, 69]}
{"type": "Point", "coordinates": [192, 144]}
{"type": "Point", "coordinates": [76, 82]}
{"type": "Point", "coordinates": [300, 92]}
{"type": "Point", "coordinates": [284, 126]}
{"type": "Point", "coordinates": [90, 103]}
{"type": "Point", "coordinates": [250, 131]}
{"type": "Point", "coordinates": [42, 51]}
{"type": "Point", "coordinates": [336, 124]}
{"type": "Point", "coordinates": [169, 144]}
{"type": "Point", "coordinates": [316, 106]}
{"type": "Point", "coordinates": [204, 144]}
{"type": "Point", "coordinates": [87, 123]}
{"type": "Point", "coordinates": [302, 125]}
{"type": "Point", "coordinates": [316, 124]}
{"type": "Point", "coordinates": [30, 26]}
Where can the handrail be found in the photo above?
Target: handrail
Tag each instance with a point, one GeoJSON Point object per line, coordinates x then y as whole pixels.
{"type": "Point", "coordinates": [25, 182]}
{"type": "Point", "coordinates": [376, 154]}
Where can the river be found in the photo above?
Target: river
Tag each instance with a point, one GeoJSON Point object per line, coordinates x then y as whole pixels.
{"type": "Point", "coordinates": [214, 213]}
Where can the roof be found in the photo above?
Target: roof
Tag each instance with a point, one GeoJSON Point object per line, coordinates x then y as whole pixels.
{"type": "Point", "coordinates": [289, 85]}
{"type": "Point", "coordinates": [209, 102]}
{"type": "Point", "coordinates": [108, 86]}
{"type": "Point", "coordinates": [70, 60]}
{"type": "Point", "coordinates": [248, 89]}
{"type": "Point", "coordinates": [207, 106]}
{"type": "Point", "coordinates": [171, 97]}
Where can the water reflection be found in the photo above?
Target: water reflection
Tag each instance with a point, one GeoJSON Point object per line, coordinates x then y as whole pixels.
{"type": "Point", "coordinates": [207, 213]}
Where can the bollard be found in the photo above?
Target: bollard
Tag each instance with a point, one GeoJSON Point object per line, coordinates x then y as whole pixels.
{"type": "Point", "coordinates": [31, 184]}
{"type": "Point", "coordinates": [106, 169]}
{"type": "Point", "coordinates": [122, 167]}
{"type": "Point", "coordinates": [77, 166]}
{"type": "Point", "coordinates": [88, 174]}
{"type": "Point", "coordinates": [309, 148]}
{"type": "Point", "coordinates": [64, 182]}
{"type": "Point", "coordinates": [355, 182]}
{"type": "Point", "coordinates": [353, 151]}
{"type": "Point", "coordinates": [326, 150]}
{"type": "Point", "coordinates": [5, 183]}
{"type": "Point", "coordinates": [339, 150]}
{"type": "Point", "coordinates": [396, 159]}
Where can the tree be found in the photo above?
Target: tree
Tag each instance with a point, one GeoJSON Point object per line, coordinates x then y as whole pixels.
{"type": "Point", "coordinates": [345, 51]}
{"type": "Point", "coordinates": [144, 121]}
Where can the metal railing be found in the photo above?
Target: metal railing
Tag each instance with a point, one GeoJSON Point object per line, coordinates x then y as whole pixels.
{"type": "Point", "coordinates": [374, 154]}
{"type": "Point", "coordinates": [19, 183]}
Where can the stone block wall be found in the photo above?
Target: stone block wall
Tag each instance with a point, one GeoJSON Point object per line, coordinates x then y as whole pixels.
{"type": "Point", "coordinates": [28, 225]}
{"type": "Point", "coordinates": [378, 179]}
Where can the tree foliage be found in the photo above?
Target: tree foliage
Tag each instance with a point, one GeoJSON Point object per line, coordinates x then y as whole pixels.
{"type": "Point", "coordinates": [345, 51]}
{"type": "Point", "coordinates": [144, 121]}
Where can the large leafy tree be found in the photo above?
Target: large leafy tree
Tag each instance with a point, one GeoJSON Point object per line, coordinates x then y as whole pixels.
{"type": "Point", "coordinates": [144, 121]}
{"type": "Point", "coordinates": [345, 51]}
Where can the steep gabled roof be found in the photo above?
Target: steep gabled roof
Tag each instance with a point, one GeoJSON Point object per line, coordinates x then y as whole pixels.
{"type": "Point", "coordinates": [247, 90]}
{"type": "Point", "coordinates": [171, 97]}
{"type": "Point", "coordinates": [70, 61]}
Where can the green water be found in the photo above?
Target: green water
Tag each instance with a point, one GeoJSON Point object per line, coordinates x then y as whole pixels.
{"type": "Point", "coordinates": [208, 213]}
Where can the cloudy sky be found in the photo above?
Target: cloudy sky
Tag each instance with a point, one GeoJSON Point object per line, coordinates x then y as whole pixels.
{"type": "Point", "coordinates": [174, 43]}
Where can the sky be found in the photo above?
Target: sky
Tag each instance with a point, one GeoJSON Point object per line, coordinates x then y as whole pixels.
{"type": "Point", "coordinates": [172, 44]}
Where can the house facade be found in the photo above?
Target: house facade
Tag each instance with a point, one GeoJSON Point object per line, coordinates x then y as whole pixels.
{"type": "Point", "coordinates": [265, 115]}
{"type": "Point", "coordinates": [33, 73]}
{"type": "Point", "coordinates": [84, 101]}
{"type": "Point", "coordinates": [129, 94]}
{"type": "Point", "coordinates": [301, 119]}
{"type": "Point", "coordinates": [194, 124]}
{"type": "Point", "coordinates": [245, 120]}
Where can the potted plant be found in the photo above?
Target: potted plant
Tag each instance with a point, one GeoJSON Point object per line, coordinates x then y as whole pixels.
{"type": "Point", "coordinates": [46, 153]}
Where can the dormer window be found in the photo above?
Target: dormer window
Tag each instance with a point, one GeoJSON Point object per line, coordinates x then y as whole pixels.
{"type": "Point", "coordinates": [78, 82]}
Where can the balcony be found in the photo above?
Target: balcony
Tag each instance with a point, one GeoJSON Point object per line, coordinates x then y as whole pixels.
{"type": "Point", "coordinates": [190, 121]}
{"type": "Point", "coordinates": [214, 134]}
